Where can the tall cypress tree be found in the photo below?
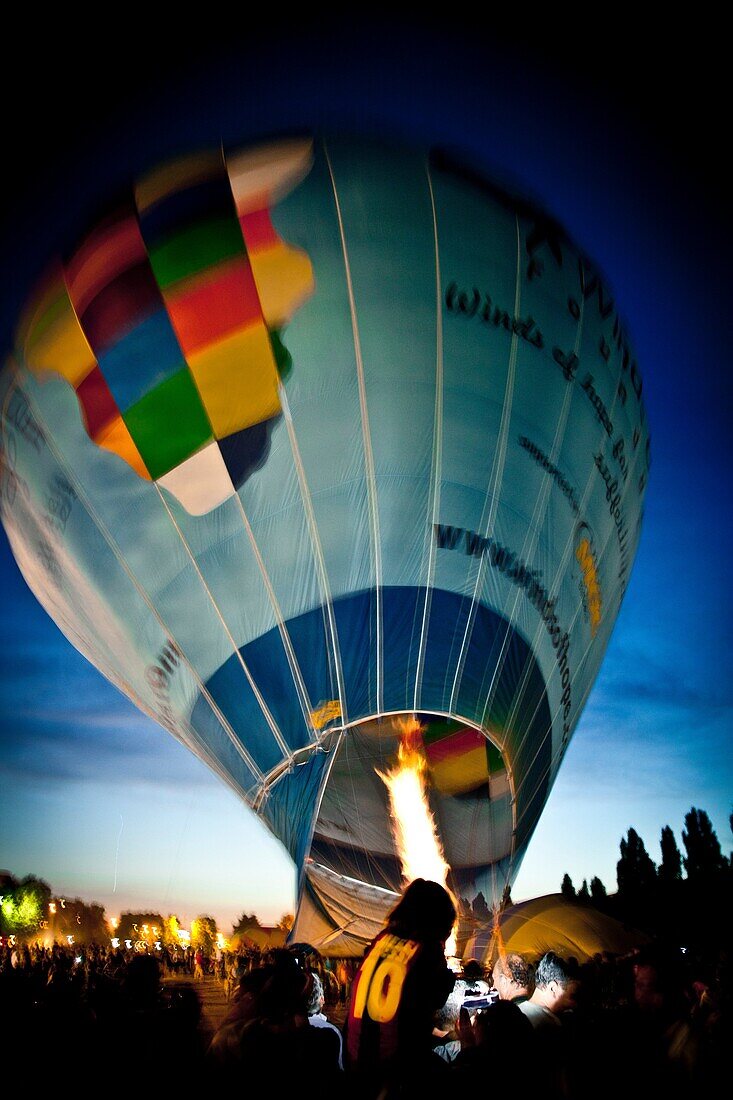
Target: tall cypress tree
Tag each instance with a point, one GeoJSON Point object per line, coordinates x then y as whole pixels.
{"type": "Point", "coordinates": [670, 869]}
{"type": "Point", "coordinates": [704, 857]}
{"type": "Point", "coordinates": [480, 908]}
{"type": "Point", "coordinates": [567, 889]}
{"type": "Point", "coordinates": [598, 892]}
{"type": "Point", "coordinates": [635, 871]}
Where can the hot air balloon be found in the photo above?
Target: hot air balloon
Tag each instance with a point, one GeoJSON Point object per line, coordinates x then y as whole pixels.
{"type": "Point", "coordinates": [307, 437]}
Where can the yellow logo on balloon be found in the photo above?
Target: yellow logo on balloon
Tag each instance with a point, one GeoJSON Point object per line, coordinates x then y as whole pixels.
{"type": "Point", "coordinates": [325, 713]}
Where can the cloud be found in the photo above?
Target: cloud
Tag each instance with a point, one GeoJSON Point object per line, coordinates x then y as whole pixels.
{"type": "Point", "coordinates": [89, 744]}
{"type": "Point", "coordinates": [632, 684]}
{"type": "Point", "coordinates": [61, 720]}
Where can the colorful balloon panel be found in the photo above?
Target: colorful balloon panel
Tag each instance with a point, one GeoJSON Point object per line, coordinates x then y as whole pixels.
{"type": "Point", "coordinates": [315, 434]}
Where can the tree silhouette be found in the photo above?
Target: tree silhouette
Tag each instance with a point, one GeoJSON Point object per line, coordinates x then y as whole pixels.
{"type": "Point", "coordinates": [84, 922]}
{"type": "Point", "coordinates": [704, 857]}
{"type": "Point", "coordinates": [204, 933]}
{"type": "Point", "coordinates": [635, 871]}
{"type": "Point", "coordinates": [25, 904]}
{"type": "Point", "coordinates": [670, 869]}
{"type": "Point", "coordinates": [245, 922]}
{"type": "Point", "coordinates": [567, 889]}
{"type": "Point", "coordinates": [139, 927]}
{"type": "Point", "coordinates": [583, 894]}
{"type": "Point", "coordinates": [598, 892]}
{"type": "Point", "coordinates": [480, 909]}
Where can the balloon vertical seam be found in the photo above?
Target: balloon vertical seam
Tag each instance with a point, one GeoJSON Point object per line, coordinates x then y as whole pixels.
{"type": "Point", "coordinates": [497, 472]}
{"type": "Point", "coordinates": [558, 577]}
{"type": "Point", "coordinates": [101, 527]}
{"type": "Point", "coordinates": [366, 436]}
{"type": "Point", "coordinates": [274, 728]}
{"type": "Point", "coordinates": [317, 551]}
{"type": "Point", "coordinates": [437, 455]}
{"type": "Point", "coordinates": [579, 706]}
{"type": "Point", "coordinates": [299, 683]}
{"type": "Point", "coordinates": [527, 550]}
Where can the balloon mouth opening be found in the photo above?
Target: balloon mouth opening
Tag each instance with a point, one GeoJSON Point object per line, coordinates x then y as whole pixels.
{"type": "Point", "coordinates": [464, 776]}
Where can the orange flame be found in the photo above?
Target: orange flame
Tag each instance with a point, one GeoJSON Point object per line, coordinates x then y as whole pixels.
{"type": "Point", "coordinates": [416, 837]}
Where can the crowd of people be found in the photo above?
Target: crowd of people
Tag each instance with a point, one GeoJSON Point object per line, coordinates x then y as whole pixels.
{"type": "Point", "coordinates": [656, 1022]}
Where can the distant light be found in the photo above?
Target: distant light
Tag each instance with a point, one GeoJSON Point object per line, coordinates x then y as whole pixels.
{"type": "Point", "coordinates": [113, 922]}
{"type": "Point", "coordinates": [77, 959]}
{"type": "Point", "coordinates": [157, 946]}
{"type": "Point", "coordinates": [128, 944]}
{"type": "Point", "coordinates": [52, 907]}
{"type": "Point", "coordinates": [69, 940]}
{"type": "Point", "coordinates": [11, 940]}
{"type": "Point", "coordinates": [63, 902]}
{"type": "Point", "coordinates": [115, 942]}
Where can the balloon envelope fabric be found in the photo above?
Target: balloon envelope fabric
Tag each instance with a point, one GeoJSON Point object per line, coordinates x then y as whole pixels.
{"type": "Point", "coordinates": [551, 923]}
{"type": "Point", "coordinates": [307, 436]}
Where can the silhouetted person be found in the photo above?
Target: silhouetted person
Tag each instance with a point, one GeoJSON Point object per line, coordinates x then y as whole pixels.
{"type": "Point", "coordinates": [446, 1039]}
{"type": "Point", "coordinates": [496, 1050]}
{"type": "Point", "coordinates": [157, 1027]}
{"type": "Point", "coordinates": [316, 999]}
{"type": "Point", "coordinates": [266, 1037]}
{"type": "Point", "coordinates": [402, 981]}
{"type": "Point", "coordinates": [473, 975]}
{"type": "Point", "coordinates": [654, 1030]}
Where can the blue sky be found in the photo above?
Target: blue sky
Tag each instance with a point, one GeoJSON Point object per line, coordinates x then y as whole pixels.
{"type": "Point", "coordinates": [94, 794]}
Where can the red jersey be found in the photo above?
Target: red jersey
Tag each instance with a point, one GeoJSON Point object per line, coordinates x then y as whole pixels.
{"type": "Point", "coordinates": [399, 986]}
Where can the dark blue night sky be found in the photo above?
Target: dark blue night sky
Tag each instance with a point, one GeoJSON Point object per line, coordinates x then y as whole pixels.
{"type": "Point", "coordinates": [617, 136]}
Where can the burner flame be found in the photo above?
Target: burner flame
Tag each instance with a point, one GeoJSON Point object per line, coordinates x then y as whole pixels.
{"type": "Point", "coordinates": [413, 825]}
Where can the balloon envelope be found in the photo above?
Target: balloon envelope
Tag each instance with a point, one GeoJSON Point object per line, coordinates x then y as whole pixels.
{"type": "Point", "coordinates": [552, 923]}
{"type": "Point", "coordinates": [307, 436]}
